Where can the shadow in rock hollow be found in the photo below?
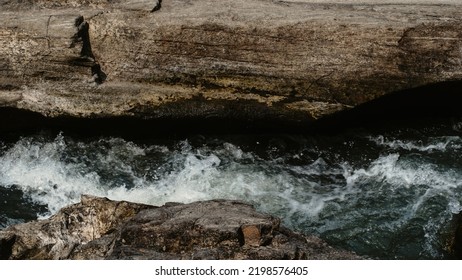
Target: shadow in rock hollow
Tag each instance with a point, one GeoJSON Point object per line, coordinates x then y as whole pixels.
{"type": "Point", "coordinates": [419, 105]}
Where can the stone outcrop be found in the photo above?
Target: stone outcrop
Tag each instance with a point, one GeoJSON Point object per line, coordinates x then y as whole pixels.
{"type": "Point", "coordinates": [98, 228]}
{"type": "Point", "coordinates": [237, 59]}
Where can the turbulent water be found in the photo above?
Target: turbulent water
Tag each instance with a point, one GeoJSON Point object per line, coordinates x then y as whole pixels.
{"type": "Point", "coordinates": [381, 194]}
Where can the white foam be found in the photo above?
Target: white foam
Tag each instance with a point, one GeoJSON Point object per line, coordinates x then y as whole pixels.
{"type": "Point", "coordinates": [402, 173]}
{"type": "Point", "coordinates": [435, 144]}
{"type": "Point", "coordinates": [454, 206]}
{"type": "Point", "coordinates": [56, 173]}
{"type": "Point", "coordinates": [394, 176]}
{"type": "Point", "coordinates": [35, 168]}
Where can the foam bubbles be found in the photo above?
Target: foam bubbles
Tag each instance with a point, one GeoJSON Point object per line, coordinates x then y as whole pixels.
{"type": "Point", "coordinates": [367, 206]}
{"type": "Point", "coordinates": [429, 145]}
{"type": "Point", "coordinates": [35, 168]}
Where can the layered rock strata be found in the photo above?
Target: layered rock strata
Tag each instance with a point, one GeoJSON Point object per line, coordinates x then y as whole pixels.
{"type": "Point", "coordinates": [236, 59]}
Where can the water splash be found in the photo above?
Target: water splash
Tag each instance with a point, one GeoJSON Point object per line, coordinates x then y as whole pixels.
{"type": "Point", "coordinates": [391, 206]}
{"type": "Point", "coordinates": [427, 145]}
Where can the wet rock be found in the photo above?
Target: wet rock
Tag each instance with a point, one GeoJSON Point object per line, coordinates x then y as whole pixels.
{"type": "Point", "coordinates": [453, 237]}
{"type": "Point", "coordinates": [97, 228]}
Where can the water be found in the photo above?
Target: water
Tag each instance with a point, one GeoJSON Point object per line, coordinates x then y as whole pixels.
{"type": "Point", "coordinates": [383, 194]}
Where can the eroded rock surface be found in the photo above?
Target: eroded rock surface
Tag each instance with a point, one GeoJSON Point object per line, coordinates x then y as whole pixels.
{"type": "Point", "coordinates": [98, 228]}
{"type": "Point", "coordinates": [255, 59]}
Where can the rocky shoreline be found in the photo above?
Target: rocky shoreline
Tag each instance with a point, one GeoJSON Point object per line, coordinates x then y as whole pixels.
{"type": "Point", "coordinates": [235, 63]}
{"type": "Point", "coordinates": [98, 228]}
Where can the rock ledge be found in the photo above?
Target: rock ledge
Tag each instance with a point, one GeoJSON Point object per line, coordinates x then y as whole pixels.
{"type": "Point", "coordinates": [98, 228]}
{"type": "Point", "coordinates": [296, 61]}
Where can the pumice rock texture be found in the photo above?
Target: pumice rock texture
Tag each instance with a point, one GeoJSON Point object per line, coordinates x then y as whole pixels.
{"type": "Point", "coordinates": [238, 59]}
{"type": "Point", "coordinates": [98, 228]}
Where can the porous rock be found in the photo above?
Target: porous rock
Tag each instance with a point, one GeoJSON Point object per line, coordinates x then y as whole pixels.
{"type": "Point", "coordinates": [98, 228]}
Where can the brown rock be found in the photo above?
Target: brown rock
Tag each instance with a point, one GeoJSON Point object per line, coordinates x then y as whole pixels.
{"type": "Point", "coordinates": [98, 228]}
{"type": "Point", "coordinates": [251, 235]}
{"type": "Point", "coordinates": [244, 59]}
{"type": "Point", "coordinates": [452, 237]}
{"type": "Point", "coordinates": [74, 226]}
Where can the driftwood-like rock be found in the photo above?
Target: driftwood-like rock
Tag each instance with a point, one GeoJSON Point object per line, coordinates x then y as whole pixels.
{"type": "Point", "coordinates": [98, 228]}
{"type": "Point", "coordinates": [245, 59]}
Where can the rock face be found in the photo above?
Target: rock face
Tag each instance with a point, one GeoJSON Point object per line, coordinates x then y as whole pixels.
{"type": "Point", "coordinates": [243, 59]}
{"type": "Point", "coordinates": [97, 228]}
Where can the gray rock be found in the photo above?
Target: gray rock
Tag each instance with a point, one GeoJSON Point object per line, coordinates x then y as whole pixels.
{"type": "Point", "coordinates": [74, 226]}
{"type": "Point", "coordinates": [291, 60]}
{"type": "Point", "coordinates": [97, 228]}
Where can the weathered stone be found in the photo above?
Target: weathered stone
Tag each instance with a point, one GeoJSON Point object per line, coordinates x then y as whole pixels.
{"type": "Point", "coordinates": [452, 238]}
{"type": "Point", "coordinates": [60, 235]}
{"type": "Point", "coordinates": [251, 235]}
{"type": "Point", "coordinates": [254, 60]}
{"type": "Point", "coordinates": [97, 228]}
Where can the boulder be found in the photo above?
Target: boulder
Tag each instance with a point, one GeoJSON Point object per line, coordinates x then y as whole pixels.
{"type": "Point", "coordinates": [98, 228]}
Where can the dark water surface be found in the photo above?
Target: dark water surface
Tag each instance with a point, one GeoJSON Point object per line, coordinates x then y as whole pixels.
{"type": "Point", "coordinates": [385, 193]}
